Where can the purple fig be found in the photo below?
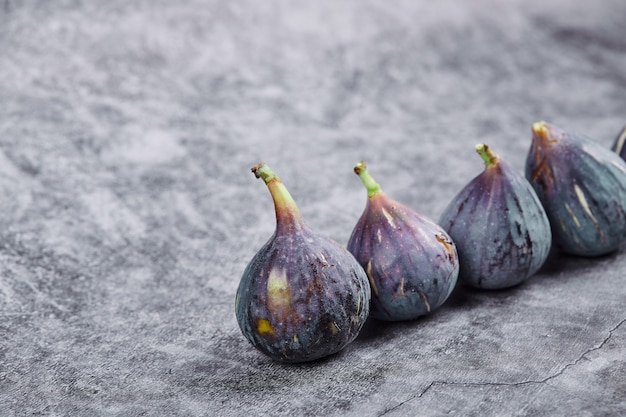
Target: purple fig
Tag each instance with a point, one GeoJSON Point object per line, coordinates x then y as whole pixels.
{"type": "Point", "coordinates": [618, 145]}
{"type": "Point", "coordinates": [582, 186]}
{"type": "Point", "coordinates": [500, 229]}
{"type": "Point", "coordinates": [411, 262]}
{"type": "Point", "coordinates": [302, 296]}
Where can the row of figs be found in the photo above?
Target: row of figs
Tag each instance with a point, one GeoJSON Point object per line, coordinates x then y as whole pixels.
{"type": "Point", "coordinates": [304, 296]}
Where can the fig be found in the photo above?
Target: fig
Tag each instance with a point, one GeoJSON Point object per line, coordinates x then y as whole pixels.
{"type": "Point", "coordinates": [411, 262]}
{"type": "Point", "coordinates": [501, 231]}
{"type": "Point", "coordinates": [582, 186]}
{"type": "Point", "coordinates": [302, 296]}
{"type": "Point", "coordinates": [618, 145]}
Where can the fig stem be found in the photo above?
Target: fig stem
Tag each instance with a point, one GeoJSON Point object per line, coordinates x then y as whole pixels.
{"type": "Point", "coordinates": [546, 136]}
{"type": "Point", "coordinates": [284, 204]}
{"type": "Point", "coordinates": [541, 129]}
{"type": "Point", "coordinates": [371, 185]}
{"type": "Point", "coordinates": [264, 172]}
{"type": "Point", "coordinates": [488, 156]}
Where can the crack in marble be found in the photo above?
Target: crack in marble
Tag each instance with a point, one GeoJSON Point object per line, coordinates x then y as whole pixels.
{"type": "Point", "coordinates": [511, 384]}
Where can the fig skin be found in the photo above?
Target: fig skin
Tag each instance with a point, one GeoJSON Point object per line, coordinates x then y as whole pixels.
{"type": "Point", "coordinates": [411, 262]}
{"type": "Point", "coordinates": [302, 296]}
{"type": "Point", "coordinates": [618, 145]}
{"type": "Point", "coordinates": [582, 186]}
{"type": "Point", "coordinates": [501, 231]}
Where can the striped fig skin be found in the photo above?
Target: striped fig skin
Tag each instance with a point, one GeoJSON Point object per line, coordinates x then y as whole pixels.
{"type": "Point", "coordinates": [619, 144]}
{"type": "Point", "coordinates": [582, 186]}
{"type": "Point", "coordinates": [500, 229]}
{"type": "Point", "coordinates": [410, 261]}
{"type": "Point", "coordinates": [302, 296]}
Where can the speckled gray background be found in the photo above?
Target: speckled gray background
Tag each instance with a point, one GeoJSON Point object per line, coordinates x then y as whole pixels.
{"type": "Point", "coordinates": [128, 212]}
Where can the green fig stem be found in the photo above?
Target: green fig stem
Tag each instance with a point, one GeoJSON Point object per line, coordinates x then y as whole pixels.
{"type": "Point", "coordinates": [284, 205]}
{"type": "Point", "coordinates": [371, 185]}
{"type": "Point", "coordinates": [490, 158]}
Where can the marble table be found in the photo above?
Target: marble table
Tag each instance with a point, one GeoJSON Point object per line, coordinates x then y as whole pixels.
{"type": "Point", "coordinates": [128, 211]}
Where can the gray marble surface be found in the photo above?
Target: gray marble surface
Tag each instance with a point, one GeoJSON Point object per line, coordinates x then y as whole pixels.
{"type": "Point", "coordinates": [128, 210]}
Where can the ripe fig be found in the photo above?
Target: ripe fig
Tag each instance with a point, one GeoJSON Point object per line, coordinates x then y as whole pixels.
{"type": "Point", "coordinates": [302, 296]}
{"type": "Point", "coordinates": [582, 186]}
{"type": "Point", "coordinates": [618, 145]}
{"type": "Point", "coordinates": [411, 262]}
{"type": "Point", "coordinates": [500, 229]}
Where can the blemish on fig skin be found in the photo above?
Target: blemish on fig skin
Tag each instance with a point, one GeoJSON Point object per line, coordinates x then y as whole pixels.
{"type": "Point", "coordinates": [278, 291]}
{"type": "Point", "coordinates": [401, 292]}
{"type": "Point", "coordinates": [517, 204]}
{"type": "Point", "coordinates": [368, 271]}
{"type": "Point", "coordinates": [518, 226]}
{"type": "Point", "coordinates": [389, 218]}
{"type": "Point", "coordinates": [583, 202]}
{"type": "Point", "coordinates": [572, 215]}
{"type": "Point", "coordinates": [264, 327]}
{"type": "Point", "coordinates": [448, 246]}
{"type": "Point", "coordinates": [543, 175]}
{"type": "Point", "coordinates": [529, 242]}
{"type": "Point", "coordinates": [334, 329]}
{"type": "Point", "coordinates": [461, 207]}
{"type": "Point", "coordinates": [543, 140]}
{"type": "Point", "coordinates": [425, 299]}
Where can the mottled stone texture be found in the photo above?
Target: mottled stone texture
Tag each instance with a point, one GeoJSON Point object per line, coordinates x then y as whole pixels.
{"type": "Point", "coordinates": [128, 212]}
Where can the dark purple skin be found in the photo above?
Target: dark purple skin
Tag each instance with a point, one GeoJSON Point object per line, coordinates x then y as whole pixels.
{"type": "Point", "coordinates": [411, 262]}
{"type": "Point", "coordinates": [329, 300]}
{"type": "Point", "coordinates": [582, 186]}
{"type": "Point", "coordinates": [501, 231]}
{"type": "Point", "coordinates": [302, 296]}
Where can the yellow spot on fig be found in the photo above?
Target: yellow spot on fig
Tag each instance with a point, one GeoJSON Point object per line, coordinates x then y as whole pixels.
{"type": "Point", "coordinates": [295, 338]}
{"type": "Point", "coordinates": [572, 215]}
{"type": "Point", "coordinates": [425, 299]}
{"type": "Point", "coordinates": [401, 291]}
{"type": "Point", "coordinates": [371, 279]}
{"type": "Point", "coordinates": [323, 258]}
{"type": "Point", "coordinates": [389, 218]}
{"type": "Point", "coordinates": [264, 327]}
{"type": "Point", "coordinates": [278, 291]}
{"type": "Point", "coordinates": [583, 202]}
{"type": "Point", "coordinates": [334, 329]}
